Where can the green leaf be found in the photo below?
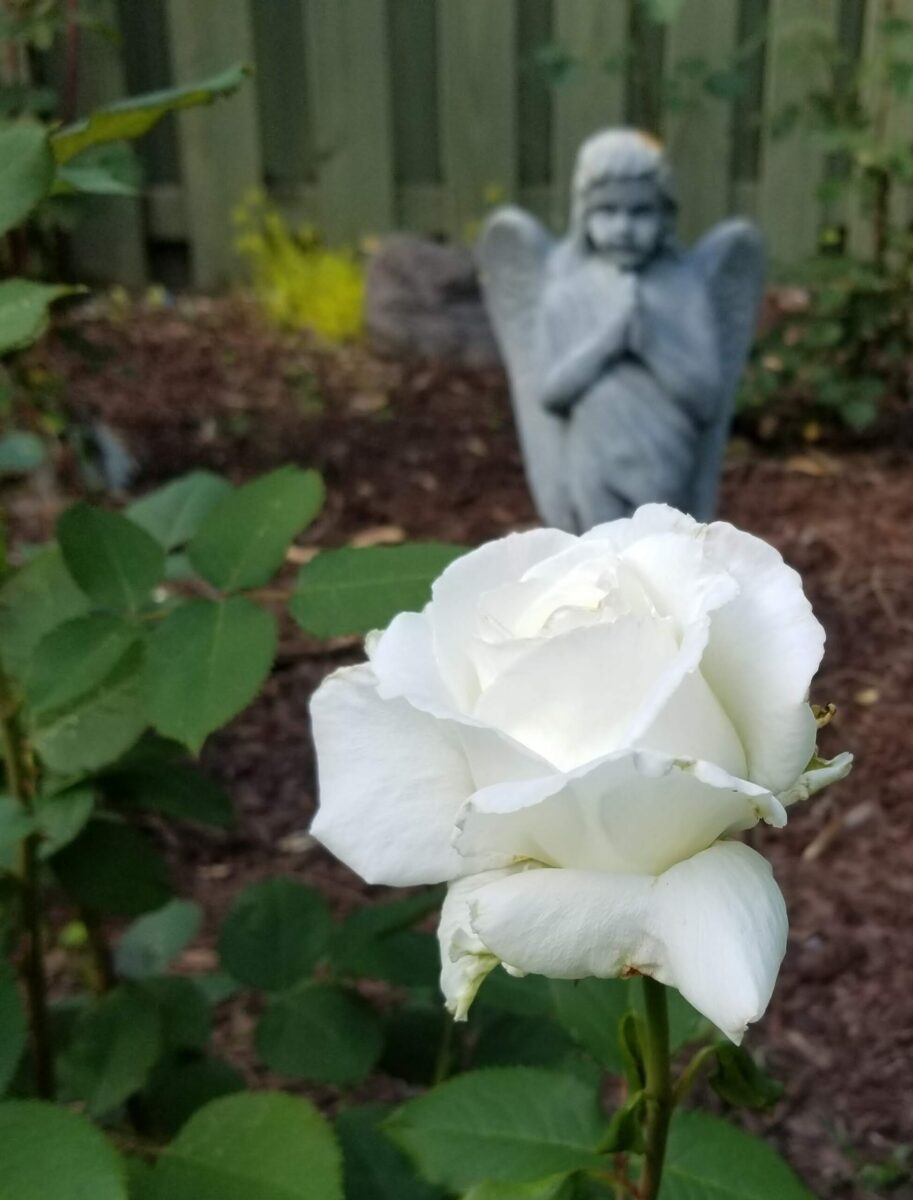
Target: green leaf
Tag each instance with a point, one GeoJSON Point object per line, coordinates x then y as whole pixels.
{"type": "Point", "coordinates": [135, 115]}
{"type": "Point", "coordinates": [115, 1043]}
{"type": "Point", "coordinates": [509, 1040]}
{"type": "Point", "coordinates": [112, 868]}
{"type": "Point", "coordinates": [739, 1080]}
{"type": "Point", "coordinates": [62, 816]}
{"type": "Point", "coordinates": [258, 1144]}
{"type": "Point", "coordinates": [320, 1032]}
{"type": "Point", "coordinates": [356, 590]}
{"type": "Point", "coordinates": [39, 596]}
{"type": "Point", "coordinates": [24, 310]}
{"type": "Point", "coordinates": [48, 1152]}
{"type": "Point", "coordinates": [216, 986]}
{"type": "Point", "coordinates": [513, 1125]}
{"type": "Point", "coordinates": [93, 729]}
{"type": "Point", "coordinates": [177, 1088]}
{"type": "Point", "coordinates": [105, 170]}
{"type": "Point", "coordinates": [242, 540]}
{"type": "Point", "coordinates": [184, 1012]}
{"type": "Point", "coordinates": [626, 1130]}
{"type": "Point", "coordinates": [560, 1187]}
{"type": "Point", "coordinates": [21, 452]}
{"type": "Point", "coordinates": [153, 941]}
{"type": "Point", "coordinates": [15, 826]}
{"type": "Point", "coordinates": [116, 563]}
{"type": "Point", "coordinates": [709, 1159]}
{"type": "Point", "coordinates": [274, 934]}
{"type": "Point", "coordinates": [173, 513]}
{"type": "Point", "coordinates": [663, 11]}
{"type": "Point", "coordinates": [74, 658]}
{"type": "Point", "coordinates": [374, 1168]}
{"type": "Point", "coordinates": [591, 1010]}
{"type": "Point", "coordinates": [376, 941]}
{"type": "Point", "coordinates": [207, 661]}
{"type": "Point", "coordinates": [26, 170]}
{"type": "Point", "coordinates": [175, 789]}
{"type": "Point", "coordinates": [13, 1027]}
{"type": "Point", "coordinates": [526, 996]}
{"type": "Point", "coordinates": [414, 1035]}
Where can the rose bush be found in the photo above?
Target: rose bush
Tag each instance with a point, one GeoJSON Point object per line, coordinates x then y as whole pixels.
{"type": "Point", "coordinates": [569, 734]}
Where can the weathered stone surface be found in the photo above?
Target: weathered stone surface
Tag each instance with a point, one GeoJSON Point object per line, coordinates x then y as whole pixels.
{"type": "Point", "coordinates": [624, 351]}
{"type": "Point", "coordinates": [423, 298]}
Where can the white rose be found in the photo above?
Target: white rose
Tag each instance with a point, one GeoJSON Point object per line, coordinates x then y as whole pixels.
{"type": "Point", "coordinates": [569, 734]}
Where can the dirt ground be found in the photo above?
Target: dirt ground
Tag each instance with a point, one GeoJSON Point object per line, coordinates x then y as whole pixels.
{"type": "Point", "coordinates": [422, 451]}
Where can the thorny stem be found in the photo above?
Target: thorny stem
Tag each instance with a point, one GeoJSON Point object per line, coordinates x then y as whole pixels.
{"type": "Point", "coordinates": [20, 782]}
{"type": "Point", "coordinates": [660, 1098]}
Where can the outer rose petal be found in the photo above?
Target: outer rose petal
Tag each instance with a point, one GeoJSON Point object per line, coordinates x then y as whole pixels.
{"type": "Point", "coordinates": [713, 926]}
{"type": "Point", "coordinates": [722, 922]}
{"type": "Point", "coordinates": [453, 610]}
{"type": "Point", "coordinates": [764, 648]}
{"type": "Point", "coordinates": [465, 961]}
{"type": "Point", "coordinates": [392, 780]}
{"type": "Point", "coordinates": [634, 813]}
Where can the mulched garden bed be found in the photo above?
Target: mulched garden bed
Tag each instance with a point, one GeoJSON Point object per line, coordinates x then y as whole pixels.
{"type": "Point", "coordinates": [423, 451]}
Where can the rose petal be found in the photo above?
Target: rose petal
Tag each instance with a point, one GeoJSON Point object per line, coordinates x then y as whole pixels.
{"type": "Point", "coordinates": [583, 694]}
{"type": "Point", "coordinates": [464, 959]}
{"type": "Point", "coordinates": [764, 649]}
{"type": "Point", "coordinates": [403, 661]}
{"type": "Point", "coordinates": [392, 780]}
{"type": "Point", "coordinates": [453, 610]}
{"type": "Point", "coordinates": [714, 927]}
{"type": "Point", "coordinates": [722, 922]}
{"type": "Point", "coordinates": [633, 813]}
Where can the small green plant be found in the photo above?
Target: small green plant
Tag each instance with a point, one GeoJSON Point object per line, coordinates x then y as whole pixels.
{"type": "Point", "coordinates": [123, 646]}
{"type": "Point", "coordinates": [836, 352]}
{"type": "Point", "coordinates": [299, 282]}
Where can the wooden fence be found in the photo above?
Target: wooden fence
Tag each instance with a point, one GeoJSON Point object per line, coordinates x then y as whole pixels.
{"type": "Point", "coordinates": [369, 115]}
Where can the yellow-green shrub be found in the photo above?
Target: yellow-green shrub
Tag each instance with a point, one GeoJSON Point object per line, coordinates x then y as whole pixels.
{"type": "Point", "coordinates": [298, 281]}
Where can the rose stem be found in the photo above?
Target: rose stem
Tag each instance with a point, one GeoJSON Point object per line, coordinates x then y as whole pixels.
{"type": "Point", "coordinates": [660, 1099]}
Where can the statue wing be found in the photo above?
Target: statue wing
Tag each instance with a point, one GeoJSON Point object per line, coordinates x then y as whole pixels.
{"type": "Point", "coordinates": [513, 254]}
{"type": "Point", "coordinates": [731, 259]}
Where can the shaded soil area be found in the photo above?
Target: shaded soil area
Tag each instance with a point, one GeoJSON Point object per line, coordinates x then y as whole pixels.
{"type": "Point", "coordinates": [423, 451]}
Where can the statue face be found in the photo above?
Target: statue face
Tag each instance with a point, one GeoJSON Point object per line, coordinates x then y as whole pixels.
{"type": "Point", "coordinates": [626, 223]}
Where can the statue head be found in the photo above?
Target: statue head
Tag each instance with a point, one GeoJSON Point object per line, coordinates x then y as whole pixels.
{"type": "Point", "coordinates": [623, 204]}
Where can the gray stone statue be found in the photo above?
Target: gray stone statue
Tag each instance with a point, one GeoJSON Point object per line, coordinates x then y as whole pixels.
{"type": "Point", "coordinates": [623, 351]}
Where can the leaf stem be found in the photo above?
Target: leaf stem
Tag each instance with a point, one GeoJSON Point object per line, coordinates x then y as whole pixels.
{"type": "Point", "coordinates": [660, 1097]}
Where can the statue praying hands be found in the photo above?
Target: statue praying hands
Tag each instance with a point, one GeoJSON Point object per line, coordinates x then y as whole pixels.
{"type": "Point", "coordinates": [623, 351]}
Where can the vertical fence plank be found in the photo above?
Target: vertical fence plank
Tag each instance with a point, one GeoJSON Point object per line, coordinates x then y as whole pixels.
{"type": "Point", "coordinates": [110, 242]}
{"type": "Point", "coordinates": [283, 95]}
{"type": "Point", "coordinates": [699, 139]}
{"type": "Point", "coordinates": [348, 70]}
{"type": "Point", "coordinates": [792, 166]}
{"type": "Point", "coordinates": [478, 106]}
{"type": "Point", "coordinates": [219, 145]}
{"type": "Point", "coordinates": [588, 32]}
{"type": "Point", "coordinates": [897, 128]}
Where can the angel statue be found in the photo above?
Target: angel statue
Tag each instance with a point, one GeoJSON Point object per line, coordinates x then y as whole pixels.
{"type": "Point", "coordinates": [623, 350]}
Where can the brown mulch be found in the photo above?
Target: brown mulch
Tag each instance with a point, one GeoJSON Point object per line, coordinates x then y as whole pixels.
{"type": "Point", "coordinates": [430, 452]}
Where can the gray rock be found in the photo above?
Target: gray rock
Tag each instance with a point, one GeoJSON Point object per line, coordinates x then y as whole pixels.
{"type": "Point", "coordinates": [423, 298]}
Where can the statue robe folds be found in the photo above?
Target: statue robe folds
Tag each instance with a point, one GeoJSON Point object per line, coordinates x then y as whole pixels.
{"type": "Point", "coordinates": [622, 381]}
